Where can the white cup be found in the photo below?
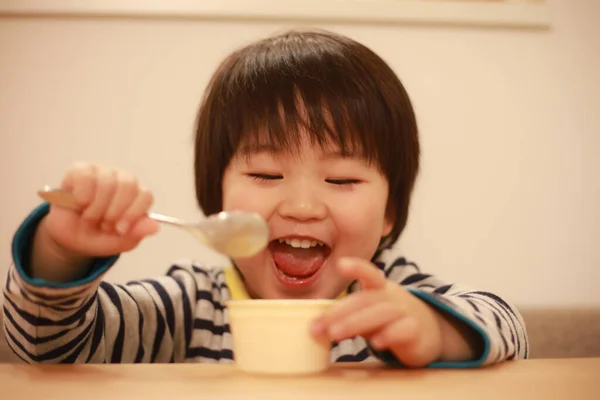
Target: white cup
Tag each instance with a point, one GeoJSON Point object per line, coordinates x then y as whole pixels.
{"type": "Point", "coordinates": [273, 336]}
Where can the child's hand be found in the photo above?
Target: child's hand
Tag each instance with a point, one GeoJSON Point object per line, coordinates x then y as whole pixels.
{"type": "Point", "coordinates": [112, 217]}
{"type": "Point", "coordinates": [385, 314]}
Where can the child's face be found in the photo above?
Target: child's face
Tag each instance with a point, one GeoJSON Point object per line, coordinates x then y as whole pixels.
{"type": "Point", "coordinates": [312, 197]}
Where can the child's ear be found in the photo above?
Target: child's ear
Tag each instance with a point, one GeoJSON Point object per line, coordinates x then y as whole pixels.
{"type": "Point", "coordinates": [388, 222]}
{"type": "Point", "coordinates": [387, 227]}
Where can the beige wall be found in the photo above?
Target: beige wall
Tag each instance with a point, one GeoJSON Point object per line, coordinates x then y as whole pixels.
{"type": "Point", "coordinates": [509, 195]}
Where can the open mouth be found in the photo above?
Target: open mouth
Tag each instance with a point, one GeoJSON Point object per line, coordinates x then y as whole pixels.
{"type": "Point", "coordinates": [297, 261]}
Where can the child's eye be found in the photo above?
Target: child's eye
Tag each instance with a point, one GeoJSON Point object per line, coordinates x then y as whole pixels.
{"type": "Point", "coordinates": [343, 182]}
{"type": "Point", "coordinates": [265, 177]}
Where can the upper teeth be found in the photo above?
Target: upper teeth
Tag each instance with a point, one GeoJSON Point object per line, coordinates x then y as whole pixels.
{"type": "Point", "coordinates": [301, 243]}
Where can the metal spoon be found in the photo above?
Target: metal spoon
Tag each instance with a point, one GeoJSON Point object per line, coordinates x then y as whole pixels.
{"type": "Point", "coordinates": [232, 233]}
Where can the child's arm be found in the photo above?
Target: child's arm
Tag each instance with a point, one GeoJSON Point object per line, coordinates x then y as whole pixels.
{"type": "Point", "coordinates": [89, 321]}
{"type": "Point", "coordinates": [470, 319]}
{"type": "Point", "coordinates": [97, 322]}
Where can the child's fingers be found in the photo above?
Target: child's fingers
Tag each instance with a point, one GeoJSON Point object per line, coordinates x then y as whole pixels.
{"type": "Point", "coordinates": [142, 228]}
{"type": "Point", "coordinates": [365, 272]}
{"type": "Point", "coordinates": [106, 227]}
{"type": "Point", "coordinates": [343, 308]}
{"type": "Point", "coordinates": [136, 210]}
{"type": "Point", "coordinates": [80, 179]}
{"type": "Point", "coordinates": [125, 194]}
{"type": "Point", "coordinates": [401, 332]}
{"type": "Point", "coordinates": [106, 184]}
{"type": "Point", "coordinates": [365, 321]}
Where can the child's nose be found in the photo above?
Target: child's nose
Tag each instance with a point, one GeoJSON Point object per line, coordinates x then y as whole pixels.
{"type": "Point", "coordinates": [302, 205]}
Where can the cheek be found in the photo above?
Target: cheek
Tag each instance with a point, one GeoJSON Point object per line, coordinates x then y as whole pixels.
{"type": "Point", "coordinates": [362, 219]}
{"type": "Point", "coordinates": [239, 193]}
{"type": "Point", "coordinates": [368, 218]}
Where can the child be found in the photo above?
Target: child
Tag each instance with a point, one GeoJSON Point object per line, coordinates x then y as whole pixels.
{"type": "Point", "coordinates": [314, 132]}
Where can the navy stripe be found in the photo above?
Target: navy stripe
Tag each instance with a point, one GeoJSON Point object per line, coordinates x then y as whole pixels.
{"type": "Point", "coordinates": [204, 352]}
{"type": "Point", "coordinates": [36, 340]}
{"type": "Point", "coordinates": [140, 351]}
{"type": "Point", "coordinates": [52, 305]}
{"type": "Point", "coordinates": [442, 289]}
{"type": "Point", "coordinates": [414, 278]}
{"type": "Point", "coordinates": [71, 358]}
{"type": "Point", "coordinates": [187, 314]}
{"type": "Point", "coordinates": [478, 318]}
{"type": "Point", "coordinates": [41, 321]}
{"type": "Point", "coordinates": [499, 326]}
{"type": "Point", "coordinates": [358, 357]}
{"type": "Point", "coordinates": [61, 309]}
{"type": "Point", "coordinates": [474, 305]}
{"type": "Point", "coordinates": [199, 270]}
{"type": "Point", "coordinates": [167, 304]}
{"type": "Point", "coordinates": [15, 342]}
{"type": "Point", "coordinates": [160, 332]}
{"type": "Point", "coordinates": [208, 296]}
{"type": "Point", "coordinates": [74, 296]}
{"type": "Point", "coordinates": [226, 354]}
{"type": "Point", "coordinates": [112, 294]}
{"type": "Point", "coordinates": [493, 297]}
{"type": "Point", "coordinates": [398, 263]}
{"type": "Point", "coordinates": [209, 325]}
{"type": "Point", "coordinates": [219, 286]}
{"type": "Point", "coordinates": [98, 332]}
{"type": "Point", "coordinates": [55, 304]}
{"type": "Point", "coordinates": [175, 268]}
{"type": "Point", "coordinates": [215, 284]}
{"type": "Point", "coordinates": [67, 304]}
{"type": "Point", "coordinates": [8, 334]}
{"type": "Point", "coordinates": [401, 262]}
{"type": "Point", "coordinates": [471, 302]}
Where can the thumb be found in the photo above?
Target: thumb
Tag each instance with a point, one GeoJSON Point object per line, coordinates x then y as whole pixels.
{"type": "Point", "coordinates": [142, 228]}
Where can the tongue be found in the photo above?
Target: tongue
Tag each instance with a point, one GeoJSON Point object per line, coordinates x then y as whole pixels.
{"type": "Point", "coordinates": [298, 262]}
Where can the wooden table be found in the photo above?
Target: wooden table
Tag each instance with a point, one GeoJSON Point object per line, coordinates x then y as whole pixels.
{"type": "Point", "coordinates": [529, 379]}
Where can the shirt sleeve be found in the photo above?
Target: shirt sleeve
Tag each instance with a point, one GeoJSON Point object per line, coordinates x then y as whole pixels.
{"type": "Point", "coordinates": [498, 323]}
{"type": "Point", "coordinates": [92, 321]}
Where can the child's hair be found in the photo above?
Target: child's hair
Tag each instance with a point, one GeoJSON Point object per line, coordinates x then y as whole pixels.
{"type": "Point", "coordinates": [337, 91]}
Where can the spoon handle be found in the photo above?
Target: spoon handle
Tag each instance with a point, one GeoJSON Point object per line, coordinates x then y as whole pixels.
{"type": "Point", "coordinates": [165, 219]}
{"type": "Point", "coordinates": [65, 199]}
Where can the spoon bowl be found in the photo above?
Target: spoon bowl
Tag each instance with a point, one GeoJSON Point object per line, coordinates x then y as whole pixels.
{"type": "Point", "coordinates": [236, 234]}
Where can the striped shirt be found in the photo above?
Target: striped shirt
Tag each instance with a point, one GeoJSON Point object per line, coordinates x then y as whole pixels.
{"type": "Point", "coordinates": [182, 317]}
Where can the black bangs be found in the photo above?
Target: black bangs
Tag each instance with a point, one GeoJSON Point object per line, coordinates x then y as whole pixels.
{"type": "Point", "coordinates": [282, 91]}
